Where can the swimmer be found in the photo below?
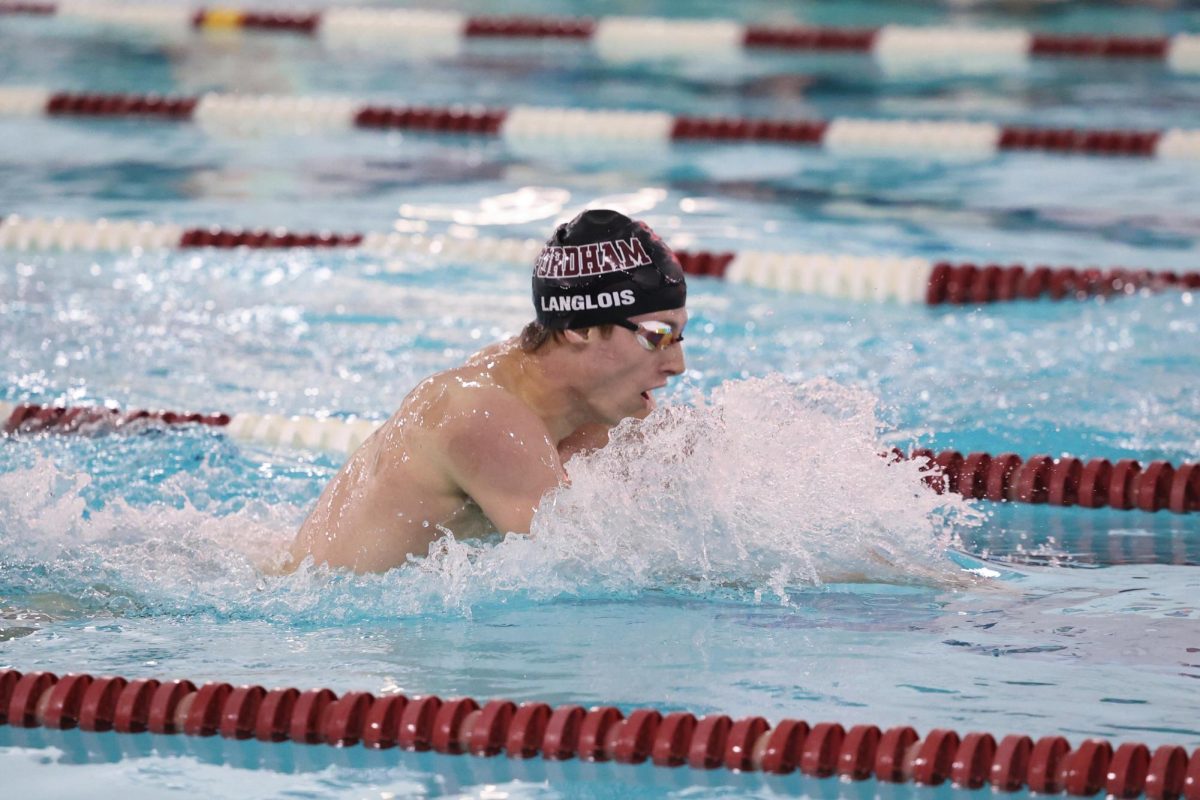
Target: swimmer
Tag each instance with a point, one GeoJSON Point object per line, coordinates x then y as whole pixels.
{"type": "Point", "coordinates": [473, 449]}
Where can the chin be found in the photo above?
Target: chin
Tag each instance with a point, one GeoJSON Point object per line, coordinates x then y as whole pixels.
{"type": "Point", "coordinates": [642, 409]}
{"type": "Point", "coordinates": [638, 408]}
{"type": "Point", "coordinates": [624, 414]}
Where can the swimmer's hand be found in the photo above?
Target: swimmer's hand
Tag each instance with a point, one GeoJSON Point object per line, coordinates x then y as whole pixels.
{"type": "Point", "coordinates": [941, 575]}
{"type": "Point", "coordinates": [275, 567]}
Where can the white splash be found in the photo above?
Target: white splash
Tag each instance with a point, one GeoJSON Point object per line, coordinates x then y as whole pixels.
{"type": "Point", "coordinates": [122, 558]}
{"type": "Point", "coordinates": [762, 488]}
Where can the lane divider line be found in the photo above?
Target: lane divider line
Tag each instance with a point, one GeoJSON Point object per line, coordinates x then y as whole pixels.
{"type": "Point", "coordinates": [329, 434]}
{"type": "Point", "coordinates": [626, 38]}
{"type": "Point", "coordinates": [1063, 481]}
{"type": "Point", "coordinates": [502, 728]}
{"type": "Point", "coordinates": [530, 127]}
{"type": "Point", "coordinates": [906, 280]}
{"type": "Point", "coordinates": [1042, 479]}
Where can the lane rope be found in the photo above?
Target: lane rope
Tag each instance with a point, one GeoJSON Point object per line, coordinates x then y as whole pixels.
{"type": "Point", "coordinates": [1063, 481]}
{"type": "Point", "coordinates": [603, 733]}
{"type": "Point", "coordinates": [530, 128]}
{"type": "Point", "coordinates": [629, 38]}
{"type": "Point", "coordinates": [906, 280]}
{"type": "Point", "coordinates": [329, 434]}
{"type": "Point", "coordinates": [1042, 479]}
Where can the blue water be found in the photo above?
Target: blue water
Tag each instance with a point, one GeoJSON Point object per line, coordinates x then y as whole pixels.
{"type": "Point", "coordinates": [715, 589]}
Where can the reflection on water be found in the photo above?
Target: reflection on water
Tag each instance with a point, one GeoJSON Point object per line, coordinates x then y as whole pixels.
{"type": "Point", "coordinates": [1084, 538]}
{"type": "Point", "coordinates": [155, 766]}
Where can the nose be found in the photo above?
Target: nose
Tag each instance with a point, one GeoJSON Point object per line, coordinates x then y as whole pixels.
{"type": "Point", "coordinates": [674, 363]}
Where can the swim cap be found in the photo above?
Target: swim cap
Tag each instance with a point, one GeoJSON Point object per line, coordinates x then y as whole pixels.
{"type": "Point", "coordinates": [602, 267]}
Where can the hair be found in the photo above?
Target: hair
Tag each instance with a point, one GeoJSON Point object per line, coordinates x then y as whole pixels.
{"type": "Point", "coordinates": [534, 335]}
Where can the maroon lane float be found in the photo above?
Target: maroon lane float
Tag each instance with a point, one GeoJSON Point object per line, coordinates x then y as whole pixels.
{"type": "Point", "coordinates": [502, 728]}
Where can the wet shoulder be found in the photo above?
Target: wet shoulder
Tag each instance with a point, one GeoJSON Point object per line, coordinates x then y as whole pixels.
{"type": "Point", "coordinates": [464, 395]}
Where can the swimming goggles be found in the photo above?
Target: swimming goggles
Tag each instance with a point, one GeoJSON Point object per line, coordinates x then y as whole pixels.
{"type": "Point", "coordinates": [652, 334]}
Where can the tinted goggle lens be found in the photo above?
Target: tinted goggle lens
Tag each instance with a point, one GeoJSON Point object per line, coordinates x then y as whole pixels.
{"type": "Point", "coordinates": [654, 335]}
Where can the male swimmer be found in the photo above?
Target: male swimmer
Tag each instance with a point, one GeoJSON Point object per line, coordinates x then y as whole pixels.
{"type": "Point", "coordinates": [476, 447]}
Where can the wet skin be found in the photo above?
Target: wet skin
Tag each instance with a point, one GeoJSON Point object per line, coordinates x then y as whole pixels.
{"type": "Point", "coordinates": [474, 448]}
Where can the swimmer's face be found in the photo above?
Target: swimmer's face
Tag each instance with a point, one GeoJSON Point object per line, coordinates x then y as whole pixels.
{"type": "Point", "coordinates": [628, 373]}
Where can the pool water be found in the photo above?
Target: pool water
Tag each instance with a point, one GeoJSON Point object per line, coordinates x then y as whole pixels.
{"type": "Point", "coordinates": [724, 558]}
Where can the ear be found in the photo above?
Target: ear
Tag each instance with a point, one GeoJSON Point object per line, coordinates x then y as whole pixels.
{"type": "Point", "coordinates": [576, 337]}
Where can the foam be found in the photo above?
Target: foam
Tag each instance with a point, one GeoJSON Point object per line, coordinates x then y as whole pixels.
{"type": "Point", "coordinates": [84, 557]}
{"type": "Point", "coordinates": [765, 487]}
{"type": "Point", "coordinates": [762, 489]}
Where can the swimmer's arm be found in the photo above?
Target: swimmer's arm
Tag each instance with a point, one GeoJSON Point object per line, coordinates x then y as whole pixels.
{"type": "Point", "coordinates": [505, 467]}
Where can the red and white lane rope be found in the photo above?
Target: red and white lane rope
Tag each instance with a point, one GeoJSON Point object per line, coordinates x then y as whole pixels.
{"type": "Point", "coordinates": [866, 278]}
{"type": "Point", "coordinates": [493, 728]}
{"type": "Point", "coordinates": [621, 38]}
{"type": "Point", "coordinates": [328, 434]}
{"type": "Point", "coordinates": [527, 128]}
{"type": "Point", "coordinates": [1064, 481]}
